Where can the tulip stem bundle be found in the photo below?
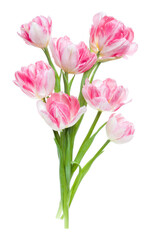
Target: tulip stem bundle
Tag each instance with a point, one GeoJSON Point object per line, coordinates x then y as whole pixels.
{"type": "Point", "coordinates": [109, 40]}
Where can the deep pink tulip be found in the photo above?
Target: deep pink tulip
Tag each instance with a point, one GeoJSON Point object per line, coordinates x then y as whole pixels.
{"type": "Point", "coordinates": [111, 38]}
{"type": "Point", "coordinates": [118, 129]}
{"type": "Point", "coordinates": [104, 95]}
{"type": "Point", "coordinates": [61, 110]}
{"type": "Point", "coordinates": [36, 80]}
{"type": "Point", "coordinates": [70, 57]}
{"type": "Point", "coordinates": [37, 32]}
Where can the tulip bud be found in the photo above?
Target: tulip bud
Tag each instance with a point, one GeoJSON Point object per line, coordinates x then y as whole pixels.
{"type": "Point", "coordinates": [118, 129]}
{"type": "Point", "coordinates": [37, 32]}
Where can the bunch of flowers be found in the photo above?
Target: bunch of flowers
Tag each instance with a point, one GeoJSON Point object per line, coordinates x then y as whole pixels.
{"type": "Point", "coordinates": [109, 40]}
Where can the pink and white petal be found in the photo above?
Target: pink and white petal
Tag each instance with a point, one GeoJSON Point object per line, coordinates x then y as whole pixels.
{"type": "Point", "coordinates": [54, 50]}
{"type": "Point", "coordinates": [28, 92]}
{"type": "Point", "coordinates": [119, 95]}
{"type": "Point", "coordinates": [101, 104]}
{"type": "Point", "coordinates": [118, 48]}
{"type": "Point", "coordinates": [69, 58]}
{"type": "Point", "coordinates": [41, 106]}
{"type": "Point", "coordinates": [86, 64]}
{"type": "Point", "coordinates": [132, 49]}
{"type": "Point", "coordinates": [38, 36]}
{"type": "Point", "coordinates": [74, 106]}
{"type": "Point", "coordinates": [111, 84]}
{"type": "Point", "coordinates": [49, 82]}
{"type": "Point", "coordinates": [113, 130]}
{"type": "Point", "coordinates": [124, 139]}
{"type": "Point", "coordinates": [60, 97]}
{"type": "Point", "coordinates": [97, 18]}
{"type": "Point", "coordinates": [97, 83]}
{"type": "Point", "coordinates": [81, 111]}
{"type": "Point", "coordinates": [87, 96]}
{"type": "Point", "coordinates": [119, 106]}
{"type": "Point", "coordinates": [27, 41]}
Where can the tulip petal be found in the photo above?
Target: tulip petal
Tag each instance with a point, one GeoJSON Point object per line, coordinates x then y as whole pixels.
{"type": "Point", "coordinates": [41, 106]}
{"type": "Point", "coordinates": [81, 111]}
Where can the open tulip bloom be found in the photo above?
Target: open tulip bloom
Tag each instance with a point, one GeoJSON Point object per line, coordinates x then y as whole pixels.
{"type": "Point", "coordinates": [109, 40]}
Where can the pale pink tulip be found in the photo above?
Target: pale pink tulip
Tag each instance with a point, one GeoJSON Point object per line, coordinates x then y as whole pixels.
{"type": "Point", "coordinates": [37, 32]}
{"type": "Point", "coordinates": [104, 95]}
{"type": "Point", "coordinates": [111, 38]}
{"type": "Point", "coordinates": [61, 110]}
{"type": "Point", "coordinates": [36, 80]}
{"type": "Point", "coordinates": [118, 129]}
{"type": "Point", "coordinates": [70, 57]}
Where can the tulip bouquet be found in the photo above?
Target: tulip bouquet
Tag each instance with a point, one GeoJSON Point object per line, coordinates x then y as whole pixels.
{"type": "Point", "coordinates": [109, 40]}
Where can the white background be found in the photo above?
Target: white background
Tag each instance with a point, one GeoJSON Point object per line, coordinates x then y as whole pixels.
{"type": "Point", "coordinates": [113, 201]}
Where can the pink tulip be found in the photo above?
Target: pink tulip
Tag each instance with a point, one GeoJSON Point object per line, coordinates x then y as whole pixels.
{"type": "Point", "coordinates": [60, 111]}
{"type": "Point", "coordinates": [37, 32]}
{"type": "Point", "coordinates": [118, 129]}
{"type": "Point", "coordinates": [111, 38]}
{"type": "Point", "coordinates": [36, 80]}
{"type": "Point", "coordinates": [104, 96]}
{"type": "Point", "coordinates": [70, 57]}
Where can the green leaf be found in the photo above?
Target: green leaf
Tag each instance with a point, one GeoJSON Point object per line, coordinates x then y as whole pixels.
{"type": "Point", "coordinates": [83, 149]}
{"type": "Point", "coordinates": [85, 75]}
{"type": "Point", "coordinates": [84, 171]}
{"type": "Point", "coordinates": [66, 85]}
{"type": "Point", "coordinates": [70, 83]}
{"type": "Point", "coordinates": [79, 178]}
{"type": "Point", "coordinates": [57, 79]}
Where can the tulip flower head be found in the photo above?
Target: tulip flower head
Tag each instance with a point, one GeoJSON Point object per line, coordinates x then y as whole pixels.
{"type": "Point", "coordinates": [61, 110]}
{"type": "Point", "coordinates": [104, 95]}
{"type": "Point", "coordinates": [111, 38]}
{"type": "Point", "coordinates": [118, 129]}
{"type": "Point", "coordinates": [37, 32]}
{"type": "Point", "coordinates": [37, 80]}
{"type": "Point", "coordinates": [70, 57]}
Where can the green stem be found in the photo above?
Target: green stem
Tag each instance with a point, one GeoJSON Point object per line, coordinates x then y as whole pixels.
{"type": "Point", "coordinates": [81, 98]}
{"type": "Point", "coordinates": [109, 59]}
{"type": "Point", "coordinates": [71, 81]}
{"type": "Point", "coordinates": [66, 84]}
{"type": "Point", "coordinates": [84, 148]}
{"type": "Point", "coordinates": [57, 79]}
{"type": "Point", "coordinates": [87, 136]}
{"type": "Point", "coordinates": [59, 212]}
{"type": "Point", "coordinates": [93, 74]}
{"type": "Point", "coordinates": [64, 194]}
{"type": "Point", "coordinates": [56, 134]}
{"type": "Point", "coordinates": [85, 75]}
{"type": "Point", "coordinates": [63, 180]}
{"type": "Point", "coordinates": [92, 126]}
{"type": "Point", "coordinates": [84, 171]}
{"type": "Point", "coordinates": [66, 142]}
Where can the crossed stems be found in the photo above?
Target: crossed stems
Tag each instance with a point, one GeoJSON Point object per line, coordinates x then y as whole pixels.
{"type": "Point", "coordinates": [65, 143]}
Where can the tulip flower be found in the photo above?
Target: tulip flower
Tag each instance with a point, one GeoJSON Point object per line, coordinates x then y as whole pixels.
{"type": "Point", "coordinates": [70, 57]}
{"type": "Point", "coordinates": [104, 95]}
{"type": "Point", "coordinates": [118, 129]}
{"type": "Point", "coordinates": [111, 38]}
{"type": "Point", "coordinates": [36, 80]}
{"type": "Point", "coordinates": [61, 110]}
{"type": "Point", "coordinates": [37, 32]}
